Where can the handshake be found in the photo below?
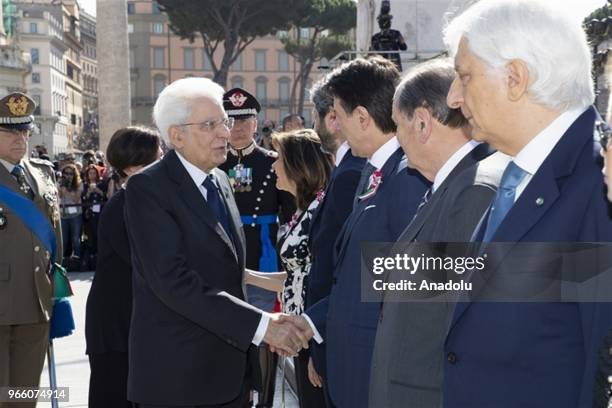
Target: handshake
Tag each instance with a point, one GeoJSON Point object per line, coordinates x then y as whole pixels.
{"type": "Point", "coordinates": [287, 335]}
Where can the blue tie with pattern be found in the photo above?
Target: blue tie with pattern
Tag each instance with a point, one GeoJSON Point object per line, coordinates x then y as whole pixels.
{"type": "Point", "coordinates": [504, 198]}
{"type": "Point", "coordinates": [213, 198]}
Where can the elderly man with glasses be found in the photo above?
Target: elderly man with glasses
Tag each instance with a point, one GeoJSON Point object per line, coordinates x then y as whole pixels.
{"type": "Point", "coordinates": [30, 240]}
{"type": "Point", "coordinates": [193, 339]}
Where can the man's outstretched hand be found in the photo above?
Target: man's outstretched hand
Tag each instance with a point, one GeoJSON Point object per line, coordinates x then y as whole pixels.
{"type": "Point", "coordinates": [287, 335]}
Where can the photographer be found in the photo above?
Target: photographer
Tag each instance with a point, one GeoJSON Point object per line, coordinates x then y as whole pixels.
{"type": "Point", "coordinates": [70, 202]}
{"type": "Point", "coordinates": [265, 140]}
{"type": "Point", "coordinates": [93, 198]}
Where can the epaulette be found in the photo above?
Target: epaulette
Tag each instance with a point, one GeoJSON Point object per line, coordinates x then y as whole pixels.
{"type": "Point", "coordinates": [44, 162]}
{"type": "Point", "coordinates": [269, 153]}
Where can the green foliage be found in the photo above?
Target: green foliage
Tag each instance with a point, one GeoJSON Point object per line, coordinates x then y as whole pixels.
{"type": "Point", "coordinates": [598, 26]}
{"type": "Point", "coordinates": [235, 23]}
{"type": "Point", "coordinates": [333, 17]}
{"type": "Point", "coordinates": [334, 45]}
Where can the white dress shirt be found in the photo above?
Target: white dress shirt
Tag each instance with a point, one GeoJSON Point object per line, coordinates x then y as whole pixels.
{"type": "Point", "coordinates": [531, 157]}
{"type": "Point", "coordinates": [380, 157]}
{"type": "Point", "coordinates": [341, 152]}
{"type": "Point", "coordinates": [451, 163]}
{"type": "Point", "coordinates": [198, 176]}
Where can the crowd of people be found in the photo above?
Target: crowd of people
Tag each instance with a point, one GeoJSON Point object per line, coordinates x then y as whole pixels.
{"type": "Point", "coordinates": [232, 249]}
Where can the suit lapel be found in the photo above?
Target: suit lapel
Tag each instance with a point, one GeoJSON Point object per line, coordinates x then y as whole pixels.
{"type": "Point", "coordinates": [388, 170]}
{"type": "Point", "coordinates": [540, 195]}
{"type": "Point", "coordinates": [472, 158]}
{"type": "Point", "coordinates": [8, 180]}
{"type": "Point", "coordinates": [192, 197]}
{"type": "Point", "coordinates": [315, 215]}
{"type": "Point", "coordinates": [233, 213]}
{"type": "Point", "coordinates": [319, 210]}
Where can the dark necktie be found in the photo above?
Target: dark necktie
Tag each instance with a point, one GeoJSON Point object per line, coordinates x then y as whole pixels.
{"type": "Point", "coordinates": [504, 198]}
{"type": "Point", "coordinates": [424, 201]}
{"type": "Point", "coordinates": [213, 198]}
{"type": "Point", "coordinates": [366, 172]}
{"type": "Point", "coordinates": [19, 174]}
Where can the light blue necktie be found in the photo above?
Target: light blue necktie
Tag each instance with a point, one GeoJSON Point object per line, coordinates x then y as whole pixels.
{"type": "Point", "coordinates": [504, 199]}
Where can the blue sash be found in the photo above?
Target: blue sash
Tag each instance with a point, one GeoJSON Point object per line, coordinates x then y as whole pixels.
{"type": "Point", "coordinates": [32, 217]}
{"type": "Point", "coordinates": [267, 260]}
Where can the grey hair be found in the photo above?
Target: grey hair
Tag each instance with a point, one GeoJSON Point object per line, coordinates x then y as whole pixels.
{"type": "Point", "coordinates": [549, 40]}
{"type": "Point", "coordinates": [173, 105]}
{"type": "Point", "coordinates": [321, 97]}
{"type": "Point", "coordinates": [427, 86]}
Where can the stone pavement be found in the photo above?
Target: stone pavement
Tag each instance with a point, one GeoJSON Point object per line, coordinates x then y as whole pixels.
{"type": "Point", "coordinates": [72, 365]}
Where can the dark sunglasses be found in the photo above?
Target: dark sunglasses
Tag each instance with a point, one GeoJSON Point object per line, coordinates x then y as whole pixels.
{"type": "Point", "coordinates": [68, 173]}
{"type": "Point", "coordinates": [604, 132]}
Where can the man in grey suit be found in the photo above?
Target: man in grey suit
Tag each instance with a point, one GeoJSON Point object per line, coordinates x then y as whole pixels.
{"type": "Point", "coordinates": [407, 362]}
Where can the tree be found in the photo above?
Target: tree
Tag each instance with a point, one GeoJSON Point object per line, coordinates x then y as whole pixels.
{"type": "Point", "coordinates": [233, 23]}
{"type": "Point", "coordinates": [322, 17]}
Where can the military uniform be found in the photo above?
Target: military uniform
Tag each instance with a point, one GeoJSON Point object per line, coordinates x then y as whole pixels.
{"type": "Point", "coordinates": [260, 204]}
{"type": "Point", "coordinates": [257, 198]}
{"type": "Point", "coordinates": [26, 295]}
{"type": "Point", "coordinates": [259, 201]}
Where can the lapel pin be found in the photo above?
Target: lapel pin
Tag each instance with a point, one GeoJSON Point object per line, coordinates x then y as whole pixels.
{"type": "Point", "coordinates": [539, 201]}
{"type": "Point", "coordinates": [2, 221]}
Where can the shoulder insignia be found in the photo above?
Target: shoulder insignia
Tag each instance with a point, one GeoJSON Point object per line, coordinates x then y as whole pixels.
{"type": "Point", "coordinates": [271, 153]}
{"type": "Point", "coordinates": [44, 162]}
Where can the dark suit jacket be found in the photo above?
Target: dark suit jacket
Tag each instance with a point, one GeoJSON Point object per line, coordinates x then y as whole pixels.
{"type": "Point", "coordinates": [537, 354]}
{"type": "Point", "coordinates": [325, 227]}
{"type": "Point", "coordinates": [347, 324]}
{"type": "Point", "coordinates": [109, 303]}
{"type": "Point", "coordinates": [191, 332]}
{"type": "Point", "coordinates": [407, 356]}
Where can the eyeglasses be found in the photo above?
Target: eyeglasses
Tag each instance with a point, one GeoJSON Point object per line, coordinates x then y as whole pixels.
{"type": "Point", "coordinates": [68, 173]}
{"type": "Point", "coordinates": [211, 125]}
{"type": "Point", "coordinates": [15, 132]}
{"type": "Point", "coordinates": [604, 132]}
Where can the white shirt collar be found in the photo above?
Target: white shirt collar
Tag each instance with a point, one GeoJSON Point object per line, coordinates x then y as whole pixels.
{"type": "Point", "coordinates": [531, 157]}
{"type": "Point", "coordinates": [380, 157]}
{"type": "Point", "coordinates": [9, 166]}
{"type": "Point", "coordinates": [197, 175]}
{"type": "Point", "coordinates": [341, 152]}
{"type": "Point", "coordinates": [452, 162]}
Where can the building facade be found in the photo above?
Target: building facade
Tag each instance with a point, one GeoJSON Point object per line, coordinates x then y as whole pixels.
{"type": "Point", "coordinates": [158, 57]}
{"type": "Point", "coordinates": [14, 61]}
{"type": "Point", "coordinates": [40, 33]}
{"type": "Point", "coordinates": [89, 74]}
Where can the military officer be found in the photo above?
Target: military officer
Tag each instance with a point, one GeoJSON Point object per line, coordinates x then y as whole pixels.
{"type": "Point", "coordinates": [261, 207]}
{"type": "Point", "coordinates": [249, 168]}
{"type": "Point", "coordinates": [25, 259]}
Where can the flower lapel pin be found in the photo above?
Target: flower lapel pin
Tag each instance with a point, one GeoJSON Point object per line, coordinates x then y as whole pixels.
{"type": "Point", "coordinates": [375, 182]}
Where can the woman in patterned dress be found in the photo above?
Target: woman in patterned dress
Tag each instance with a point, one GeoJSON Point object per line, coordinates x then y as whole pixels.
{"type": "Point", "coordinates": [303, 169]}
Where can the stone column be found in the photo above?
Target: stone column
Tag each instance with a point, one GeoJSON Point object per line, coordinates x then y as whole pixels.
{"type": "Point", "coordinates": [366, 11]}
{"type": "Point", "coordinates": [114, 99]}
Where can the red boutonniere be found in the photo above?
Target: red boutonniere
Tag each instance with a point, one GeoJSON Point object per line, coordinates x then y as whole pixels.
{"type": "Point", "coordinates": [375, 182]}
